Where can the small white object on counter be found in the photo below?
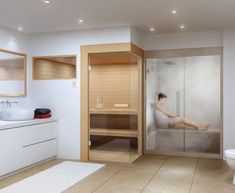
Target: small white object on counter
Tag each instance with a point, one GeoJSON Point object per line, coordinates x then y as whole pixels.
{"type": "Point", "coordinates": [17, 114]}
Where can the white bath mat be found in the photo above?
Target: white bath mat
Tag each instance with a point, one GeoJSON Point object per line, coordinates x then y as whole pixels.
{"type": "Point", "coordinates": [55, 179]}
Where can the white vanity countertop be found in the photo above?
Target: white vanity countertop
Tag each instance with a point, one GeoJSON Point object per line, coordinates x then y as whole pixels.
{"type": "Point", "coordinates": [14, 124]}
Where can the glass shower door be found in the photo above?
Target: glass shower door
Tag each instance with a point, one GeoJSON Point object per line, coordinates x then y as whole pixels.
{"type": "Point", "coordinates": [202, 103]}
{"type": "Point", "coordinates": [193, 89]}
{"type": "Point", "coordinates": [164, 75]}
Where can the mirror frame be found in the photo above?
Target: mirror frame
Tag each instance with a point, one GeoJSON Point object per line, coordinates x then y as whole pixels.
{"type": "Point", "coordinates": [25, 74]}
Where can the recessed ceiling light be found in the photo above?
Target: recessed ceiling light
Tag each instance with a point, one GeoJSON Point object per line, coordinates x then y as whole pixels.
{"type": "Point", "coordinates": [47, 1]}
{"type": "Point", "coordinates": [182, 26]}
{"type": "Point", "coordinates": [80, 21]}
{"type": "Point", "coordinates": [152, 29]}
{"type": "Point", "coordinates": [20, 28]}
{"type": "Point", "coordinates": [173, 11]}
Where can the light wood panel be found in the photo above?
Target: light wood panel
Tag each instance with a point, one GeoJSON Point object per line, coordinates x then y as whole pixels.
{"type": "Point", "coordinates": [137, 51]}
{"type": "Point", "coordinates": [114, 84]}
{"type": "Point", "coordinates": [114, 121]}
{"type": "Point", "coordinates": [113, 132]}
{"type": "Point", "coordinates": [112, 58]}
{"type": "Point", "coordinates": [114, 111]}
{"type": "Point", "coordinates": [111, 156]}
{"type": "Point", "coordinates": [63, 59]}
{"type": "Point", "coordinates": [49, 69]}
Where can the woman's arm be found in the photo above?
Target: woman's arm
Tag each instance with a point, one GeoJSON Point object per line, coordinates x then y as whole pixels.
{"type": "Point", "coordinates": [170, 115]}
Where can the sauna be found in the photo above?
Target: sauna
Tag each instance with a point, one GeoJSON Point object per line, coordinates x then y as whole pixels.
{"type": "Point", "coordinates": [114, 106]}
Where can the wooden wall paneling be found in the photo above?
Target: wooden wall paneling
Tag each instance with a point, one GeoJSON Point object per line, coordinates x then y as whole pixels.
{"type": "Point", "coordinates": [44, 69]}
{"type": "Point", "coordinates": [84, 136]}
{"type": "Point", "coordinates": [115, 84]}
{"type": "Point", "coordinates": [136, 50]}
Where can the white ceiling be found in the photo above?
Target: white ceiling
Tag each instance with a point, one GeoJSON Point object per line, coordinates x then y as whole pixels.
{"type": "Point", "coordinates": [197, 15]}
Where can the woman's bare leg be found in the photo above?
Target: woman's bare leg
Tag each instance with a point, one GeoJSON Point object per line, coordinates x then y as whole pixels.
{"type": "Point", "coordinates": [191, 123]}
{"type": "Point", "coordinates": [182, 122]}
{"type": "Point", "coordinates": [183, 126]}
{"type": "Point", "coordinates": [197, 125]}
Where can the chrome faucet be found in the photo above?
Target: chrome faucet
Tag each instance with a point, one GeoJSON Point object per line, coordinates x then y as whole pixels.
{"type": "Point", "coordinates": [9, 103]}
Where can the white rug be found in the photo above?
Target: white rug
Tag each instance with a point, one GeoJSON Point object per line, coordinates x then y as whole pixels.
{"type": "Point", "coordinates": [55, 179]}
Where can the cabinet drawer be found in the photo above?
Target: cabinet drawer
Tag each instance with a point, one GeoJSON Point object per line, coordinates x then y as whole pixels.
{"type": "Point", "coordinates": [10, 150]}
{"type": "Point", "coordinates": [38, 133]}
{"type": "Point", "coordinates": [41, 151]}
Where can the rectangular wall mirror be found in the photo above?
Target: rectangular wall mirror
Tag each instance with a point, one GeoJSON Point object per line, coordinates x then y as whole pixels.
{"type": "Point", "coordinates": [12, 74]}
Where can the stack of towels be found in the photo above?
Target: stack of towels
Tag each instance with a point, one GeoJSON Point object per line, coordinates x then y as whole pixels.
{"type": "Point", "coordinates": [42, 113]}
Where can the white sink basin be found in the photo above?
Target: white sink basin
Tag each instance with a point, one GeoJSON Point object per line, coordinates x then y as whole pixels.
{"type": "Point", "coordinates": [17, 114]}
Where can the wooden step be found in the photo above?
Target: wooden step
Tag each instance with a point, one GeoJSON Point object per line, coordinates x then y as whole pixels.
{"type": "Point", "coordinates": [113, 132]}
{"type": "Point", "coordinates": [112, 156]}
{"type": "Point", "coordinates": [114, 111]}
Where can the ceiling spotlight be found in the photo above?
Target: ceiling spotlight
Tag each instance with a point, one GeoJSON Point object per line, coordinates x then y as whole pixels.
{"type": "Point", "coordinates": [182, 27]}
{"type": "Point", "coordinates": [152, 29]}
{"type": "Point", "coordinates": [20, 28]}
{"type": "Point", "coordinates": [47, 1]}
{"type": "Point", "coordinates": [80, 21]}
{"type": "Point", "coordinates": [173, 11]}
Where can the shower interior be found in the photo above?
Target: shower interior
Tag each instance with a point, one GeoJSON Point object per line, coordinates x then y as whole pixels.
{"type": "Point", "coordinates": [193, 88]}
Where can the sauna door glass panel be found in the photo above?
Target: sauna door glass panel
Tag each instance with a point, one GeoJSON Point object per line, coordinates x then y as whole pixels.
{"type": "Point", "coordinates": [113, 106]}
{"type": "Point", "coordinates": [165, 76]}
{"type": "Point", "coordinates": [202, 103]}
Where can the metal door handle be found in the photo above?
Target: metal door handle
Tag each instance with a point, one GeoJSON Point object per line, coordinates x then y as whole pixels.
{"type": "Point", "coordinates": [178, 103]}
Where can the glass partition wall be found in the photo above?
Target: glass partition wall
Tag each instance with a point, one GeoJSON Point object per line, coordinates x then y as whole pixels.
{"type": "Point", "coordinates": [114, 107]}
{"type": "Point", "coordinates": [183, 105]}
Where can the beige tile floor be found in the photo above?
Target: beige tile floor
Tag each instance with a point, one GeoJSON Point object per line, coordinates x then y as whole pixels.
{"type": "Point", "coordinates": [149, 174]}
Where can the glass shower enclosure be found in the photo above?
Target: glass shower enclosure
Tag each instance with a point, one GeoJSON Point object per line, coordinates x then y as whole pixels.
{"type": "Point", "coordinates": [192, 86]}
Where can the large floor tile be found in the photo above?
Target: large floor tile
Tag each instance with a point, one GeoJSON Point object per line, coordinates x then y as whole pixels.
{"type": "Point", "coordinates": [175, 176]}
{"type": "Point", "coordinates": [133, 178]}
{"type": "Point", "coordinates": [212, 176]}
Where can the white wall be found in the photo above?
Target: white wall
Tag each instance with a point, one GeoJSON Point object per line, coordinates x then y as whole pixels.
{"type": "Point", "coordinates": [183, 40]}
{"type": "Point", "coordinates": [65, 100]}
{"type": "Point", "coordinates": [59, 95]}
{"type": "Point", "coordinates": [229, 88]}
{"type": "Point", "coordinates": [136, 37]}
{"type": "Point", "coordinates": [14, 41]}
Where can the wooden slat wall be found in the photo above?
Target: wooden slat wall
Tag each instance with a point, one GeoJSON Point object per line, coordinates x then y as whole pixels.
{"type": "Point", "coordinates": [126, 122]}
{"type": "Point", "coordinates": [12, 69]}
{"type": "Point", "coordinates": [112, 58]}
{"type": "Point", "coordinates": [115, 83]}
{"type": "Point", "coordinates": [51, 70]}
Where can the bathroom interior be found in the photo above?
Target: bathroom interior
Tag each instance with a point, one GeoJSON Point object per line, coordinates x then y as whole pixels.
{"type": "Point", "coordinates": [102, 105]}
